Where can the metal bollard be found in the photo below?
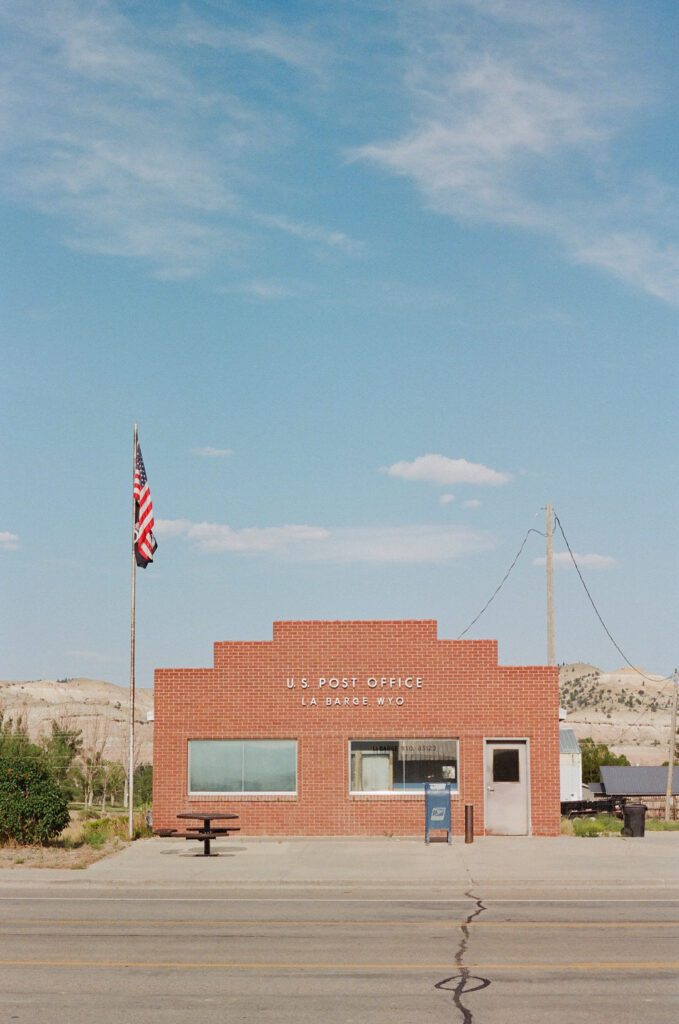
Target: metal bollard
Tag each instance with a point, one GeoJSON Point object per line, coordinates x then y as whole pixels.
{"type": "Point", "coordinates": [468, 823]}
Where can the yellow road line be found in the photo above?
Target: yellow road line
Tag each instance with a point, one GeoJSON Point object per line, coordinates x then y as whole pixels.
{"type": "Point", "coordinates": [472, 968]}
{"type": "Point", "coordinates": [307, 922]}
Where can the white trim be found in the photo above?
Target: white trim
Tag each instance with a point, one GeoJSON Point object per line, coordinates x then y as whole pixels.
{"type": "Point", "coordinates": [398, 793]}
{"type": "Point", "coordinates": [242, 794]}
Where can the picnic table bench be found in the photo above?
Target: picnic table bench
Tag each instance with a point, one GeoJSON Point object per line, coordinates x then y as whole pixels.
{"type": "Point", "coordinates": [205, 832]}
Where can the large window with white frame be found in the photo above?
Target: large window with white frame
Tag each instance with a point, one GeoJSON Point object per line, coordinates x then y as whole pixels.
{"type": "Point", "coordinates": [242, 766]}
{"type": "Point", "coordinates": [397, 766]}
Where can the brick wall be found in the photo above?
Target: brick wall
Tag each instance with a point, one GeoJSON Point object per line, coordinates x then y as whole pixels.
{"type": "Point", "coordinates": [464, 695]}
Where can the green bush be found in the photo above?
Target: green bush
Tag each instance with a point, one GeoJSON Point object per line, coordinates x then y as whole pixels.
{"type": "Point", "coordinates": [603, 824]}
{"type": "Point", "coordinates": [594, 755]}
{"type": "Point", "coordinates": [98, 831]}
{"type": "Point", "coordinates": [33, 808]}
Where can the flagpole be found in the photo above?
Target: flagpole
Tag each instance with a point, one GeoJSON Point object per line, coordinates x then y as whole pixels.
{"type": "Point", "coordinates": [130, 770]}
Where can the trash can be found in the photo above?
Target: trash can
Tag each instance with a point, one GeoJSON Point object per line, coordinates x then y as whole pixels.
{"type": "Point", "coordinates": [634, 818]}
{"type": "Point", "coordinates": [437, 809]}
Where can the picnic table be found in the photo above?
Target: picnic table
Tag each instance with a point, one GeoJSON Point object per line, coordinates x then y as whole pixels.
{"type": "Point", "coordinates": [205, 832]}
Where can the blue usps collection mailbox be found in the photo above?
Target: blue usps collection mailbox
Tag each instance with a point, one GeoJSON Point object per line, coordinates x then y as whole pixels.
{"type": "Point", "coordinates": [437, 809]}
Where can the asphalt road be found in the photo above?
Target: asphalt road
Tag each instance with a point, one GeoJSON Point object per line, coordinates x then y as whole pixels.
{"type": "Point", "coordinates": [69, 954]}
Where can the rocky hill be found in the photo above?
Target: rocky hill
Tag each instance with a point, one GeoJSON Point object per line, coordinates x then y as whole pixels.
{"type": "Point", "coordinates": [100, 709]}
{"type": "Point", "coordinates": [627, 711]}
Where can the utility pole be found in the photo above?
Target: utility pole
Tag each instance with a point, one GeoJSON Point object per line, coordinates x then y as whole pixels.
{"type": "Point", "coordinates": [673, 741]}
{"type": "Point", "coordinates": [549, 562]}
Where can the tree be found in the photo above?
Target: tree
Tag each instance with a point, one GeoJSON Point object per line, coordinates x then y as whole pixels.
{"type": "Point", "coordinates": [33, 808]}
{"type": "Point", "coordinates": [143, 784]}
{"type": "Point", "coordinates": [91, 762]}
{"type": "Point", "coordinates": [594, 755]}
{"type": "Point", "coordinates": [13, 736]}
{"type": "Point", "coordinates": [111, 782]}
{"type": "Point", "coordinates": [61, 748]}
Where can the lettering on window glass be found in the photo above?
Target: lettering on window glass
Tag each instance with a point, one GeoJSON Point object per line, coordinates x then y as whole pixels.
{"type": "Point", "coordinates": [385, 766]}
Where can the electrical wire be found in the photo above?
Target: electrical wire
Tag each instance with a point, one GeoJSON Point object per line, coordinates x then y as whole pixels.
{"type": "Point", "coordinates": [650, 679]}
{"type": "Point", "coordinates": [502, 582]}
{"type": "Point", "coordinates": [634, 724]}
{"type": "Point", "coordinates": [598, 614]}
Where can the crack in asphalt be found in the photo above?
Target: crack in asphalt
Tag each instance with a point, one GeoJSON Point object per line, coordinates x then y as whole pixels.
{"type": "Point", "coordinates": [463, 977]}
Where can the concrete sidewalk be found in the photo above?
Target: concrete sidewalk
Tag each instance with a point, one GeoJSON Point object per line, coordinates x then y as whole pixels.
{"type": "Point", "coordinates": [564, 863]}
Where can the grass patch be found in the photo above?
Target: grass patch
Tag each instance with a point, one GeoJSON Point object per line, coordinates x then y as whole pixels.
{"type": "Point", "coordinates": [602, 825]}
{"type": "Point", "coordinates": [89, 837]}
{"type": "Point", "coordinates": [660, 825]}
{"type": "Point", "coordinates": [610, 825]}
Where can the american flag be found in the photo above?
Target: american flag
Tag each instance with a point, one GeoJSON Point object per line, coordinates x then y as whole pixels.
{"type": "Point", "coordinates": [144, 541]}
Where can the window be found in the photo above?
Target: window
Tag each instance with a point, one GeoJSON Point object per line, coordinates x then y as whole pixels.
{"type": "Point", "coordinates": [242, 766]}
{"type": "Point", "coordinates": [506, 765]}
{"type": "Point", "coordinates": [379, 766]}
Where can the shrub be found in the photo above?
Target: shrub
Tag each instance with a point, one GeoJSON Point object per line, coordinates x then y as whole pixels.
{"type": "Point", "coordinates": [33, 808]}
{"type": "Point", "coordinates": [603, 824]}
{"type": "Point", "coordinates": [98, 831]}
{"type": "Point", "coordinates": [594, 755]}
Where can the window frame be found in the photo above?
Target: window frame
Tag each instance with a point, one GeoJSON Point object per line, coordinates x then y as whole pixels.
{"type": "Point", "coordinates": [241, 793]}
{"type": "Point", "coordinates": [403, 793]}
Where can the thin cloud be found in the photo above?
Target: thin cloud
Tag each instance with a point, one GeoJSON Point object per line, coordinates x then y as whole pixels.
{"type": "Point", "coordinates": [264, 291]}
{"type": "Point", "coordinates": [88, 655]}
{"type": "Point", "coordinates": [212, 453]}
{"type": "Point", "coordinates": [395, 545]}
{"type": "Point", "coordinates": [516, 112]}
{"type": "Point", "coordinates": [471, 503]}
{"type": "Point", "coordinates": [264, 37]}
{"type": "Point", "coordinates": [444, 471]}
{"type": "Point", "coordinates": [219, 537]}
{"type": "Point", "coordinates": [9, 541]}
{"type": "Point", "coordinates": [446, 499]}
{"type": "Point", "coordinates": [563, 560]}
{"type": "Point", "coordinates": [111, 129]}
{"type": "Point", "coordinates": [312, 233]}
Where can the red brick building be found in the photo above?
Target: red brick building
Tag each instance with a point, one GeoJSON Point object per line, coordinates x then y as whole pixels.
{"type": "Point", "coordinates": [332, 728]}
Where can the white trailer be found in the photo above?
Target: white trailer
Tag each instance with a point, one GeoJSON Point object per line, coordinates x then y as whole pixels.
{"type": "Point", "coordinates": [570, 761]}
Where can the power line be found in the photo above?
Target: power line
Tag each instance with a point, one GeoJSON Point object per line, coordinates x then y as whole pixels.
{"type": "Point", "coordinates": [598, 613]}
{"type": "Point", "coordinates": [502, 582]}
{"type": "Point", "coordinates": [665, 679]}
{"type": "Point", "coordinates": [633, 724]}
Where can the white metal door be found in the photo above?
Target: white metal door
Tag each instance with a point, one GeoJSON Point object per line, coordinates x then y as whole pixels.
{"type": "Point", "coordinates": [507, 804]}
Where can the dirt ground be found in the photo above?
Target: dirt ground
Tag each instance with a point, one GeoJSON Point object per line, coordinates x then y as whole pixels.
{"type": "Point", "coordinates": [55, 856]}
{"type": "Point", "coordinates": [69, 851]}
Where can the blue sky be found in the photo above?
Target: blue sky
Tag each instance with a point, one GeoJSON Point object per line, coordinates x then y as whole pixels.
{"type": "Point", "coordinates": [377, 280]}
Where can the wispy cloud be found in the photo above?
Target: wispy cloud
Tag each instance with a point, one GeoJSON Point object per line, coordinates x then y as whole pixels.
{"type": "Point", "coordinates": [471, 503]}
{"type": "Point", "coordinates": [396, 545]}
{"type": "Point", "coordinates": [219, 537]}
{"type": "Point", "coordinates": [311, 233]}
{"type": "Point", "coordinates": [212, 453]}
{"type": "Point", "coordinates": [89, 656]}
{"type": "Point", "coordinates": [563, 560]}
{"type": "Point", "coordinates": [447, 499]}
{"type": "Point", "coordinates": [444, 471]}
{"type": "Point", "coordinates": [516, 112]}
{"type": "Point", "coordinates": [297, 50]}
{"type": "Point", "coordinates": [111, 128]}
{"type": "Point", "coordinates": [8, 541]}
{"type": "Point", "coordinates": [262, 291]}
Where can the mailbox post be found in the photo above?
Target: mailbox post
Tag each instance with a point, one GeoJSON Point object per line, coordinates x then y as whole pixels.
{"type": "Point", "coordinates": [437, 809]}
